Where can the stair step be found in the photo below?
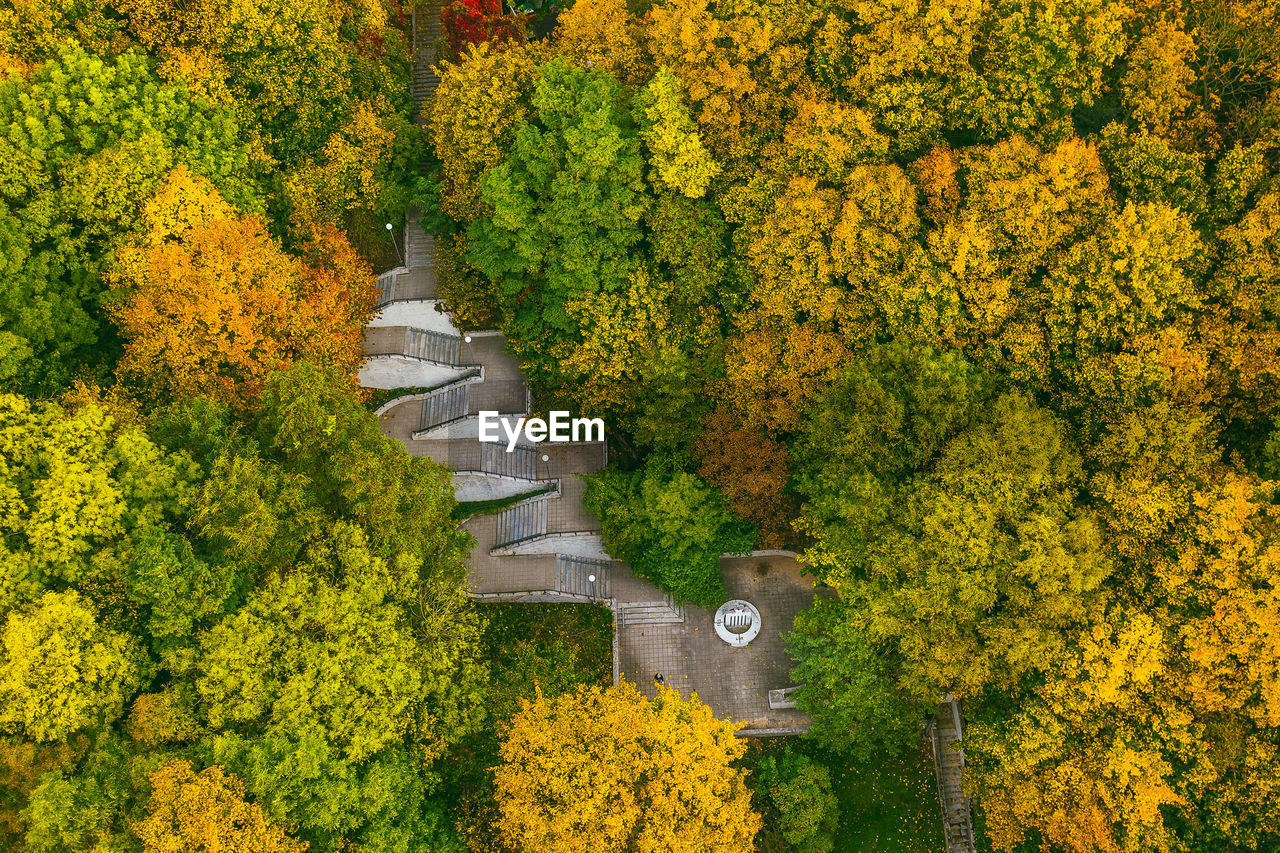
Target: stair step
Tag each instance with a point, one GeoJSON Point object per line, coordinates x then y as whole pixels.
{"type": "Point", "coordinates": [651, 613]}
{"type": "Point", "coordinates": [525, 520]}
{"type": "Point", "coordinates": [419, 246]}
{"type": "Point", "coordinates": [445, 405]}
{"type": "Point", "coordinates": [573, 575]}
{"type": "Point", "coordinates": [434, 346]}
{"type": "Point", "coordinates": [387, 285]}
{"type": "Point", "coordinates": [521, 462]}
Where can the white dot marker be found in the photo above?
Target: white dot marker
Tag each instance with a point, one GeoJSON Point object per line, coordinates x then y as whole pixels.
{"type": "Point", "coordinates": [388, 226]}
{"type": "Point", "coordinates": [467, 339]}
{"type": "Point", "coordinates": [591, 578]}
{"type": "Point", "coordinates": [546, 458]}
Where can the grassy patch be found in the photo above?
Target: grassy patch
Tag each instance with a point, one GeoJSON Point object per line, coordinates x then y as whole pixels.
{"type": "Point", "coordinates": [374, 398]}
{"type": "Point", "coordinates": [466, 509]}
{"type": "Point", "coordinates": [889, 807]}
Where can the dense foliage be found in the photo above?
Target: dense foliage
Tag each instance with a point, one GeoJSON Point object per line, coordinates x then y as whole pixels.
{"type": "Point", "coordinates": [973, 302]}
{"type": "Point", "coordinates": [595, 769]}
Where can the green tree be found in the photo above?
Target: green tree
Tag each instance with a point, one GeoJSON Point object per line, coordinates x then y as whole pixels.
{"type": "Point", "coordinates": [82, 494]}
{"type": "Point", "coordinates": [976, 568]}
{"type": "Point", "coordinates": [88, 805]}
{"type": "Point", "coordinates": [847, 682]}
{"type": "Point", "coordinates": [308, 654]}
{"type": "Point", "coordinates": [383, 805]}
{"type": "Point", "coordinates": [567, 204]}
{"type": "Point", "coordinates": [800, 790]}
{"type": "Point", "coordinates": [669, 526]}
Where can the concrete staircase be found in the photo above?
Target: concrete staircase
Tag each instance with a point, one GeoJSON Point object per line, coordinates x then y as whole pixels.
{"type": "Point", "coordinates": [427, 33]}
{"type": "Point", "coordinates": [447, 404]}
{"type": "Point", "coordinates": [432, 346]}
{"type": "Point", "coordinates": [651, 613]}
{"type": "Point", "coordinates": [387, 285]}
{"type": "Point", "coordinates": [574, 576]}
{"type": "Point", "coordinates": [525, 520]}
{"type": "Point", "coordinates": [419, 246]}
{"type": "Point", "coordinates": [946, 731]}
{"type": "Point", "coordinates": [521, 462]}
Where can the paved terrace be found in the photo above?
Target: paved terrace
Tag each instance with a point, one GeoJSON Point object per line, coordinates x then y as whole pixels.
{"type": "Point", "coordinates": [734, 682]}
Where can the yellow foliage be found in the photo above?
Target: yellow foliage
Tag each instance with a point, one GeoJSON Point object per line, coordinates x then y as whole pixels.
{"type": "Point", "coordinates": [791, 254]}
{"type": "Point", "coordinates": [478, 105]}
{"type": "Point", "coordinates": [826, 137]}
{"type": "Point", "coordinates": [608, 770]}
{"type": "Point", "coordinates": [346, 178]}
{"type": "Point", "coordinates": [894, 38]}
{"type": "Point", "coordinates": [713, 59]}
{"type": "Point", "coordinates": [676, 152]}
{"type": "Point", "coordinates": [599, 34]}
{"type": "Point", "coordinates": [1072, 766]}
{"type": "Point", "coordinates": [1231, 572]}
{"type": "Point", "coordinates": [620, 332]}
{"type": "Point", "coordinates": [204, 812]}
{"type": "Point", "coordinates": [1156, 88]}
{"type": "Point", "coordinates": [183, 203]}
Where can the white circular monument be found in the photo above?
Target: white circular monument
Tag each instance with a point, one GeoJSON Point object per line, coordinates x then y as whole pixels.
{"type": "Point", "coordinates": [737, 622]}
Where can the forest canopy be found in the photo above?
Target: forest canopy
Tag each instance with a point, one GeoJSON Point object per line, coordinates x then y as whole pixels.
{"type": "Point", "coordinates": [972, 304]}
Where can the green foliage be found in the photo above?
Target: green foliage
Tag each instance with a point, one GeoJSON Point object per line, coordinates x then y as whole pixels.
{"type": "Point", "coordinates": [800, 789]}
{"type": "Point", "coordinates": [89, 806]}
{"type": "Point", "coordinates": [298, 780]}
{"type": "Point", "coordinates": [82, 497]}
{"type": "Point", "coordinates": [847, 680]}
{"type": "Point", "coordinates": [669, 526]}
{"type": "Point", "coordinates": [567, 203]}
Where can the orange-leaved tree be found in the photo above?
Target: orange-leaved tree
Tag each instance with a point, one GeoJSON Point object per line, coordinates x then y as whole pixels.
{"type": "Point", "coordinates": [209, 303]}
{"type": "Point", "coordinates": [610, 770]}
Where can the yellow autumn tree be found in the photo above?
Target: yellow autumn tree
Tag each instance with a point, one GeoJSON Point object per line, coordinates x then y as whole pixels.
{"type": "Point", "coordinates": [712, 57]}
{"type": "Point", "coordinates": [205, 812]}
{"type": "Point", "coordinates": [346, 175]}
{"type": "Point", "coordinates": [675, 151]}
{"type": "Point", "coordinates": [478, 106]}
{"type": "Point", "coordinates": [825, 138]}
{"type": "Point", "coordinates": [609, 770]}
{"type": "Point", "coordinates": [1241, 329]}
{"type": "Point", "coordinates": [620, 331]}
{"type": "Point", "coordinates": [791, 253]}
{"type": "Point", "coordinates": [600, 34]}
{"type": "Point", "coordinates": [1080, 763]}
{"type": "Point", "coordinates": [209, 303]}
{"type": "Point", "coordinates": [1157, 85]}
{"type": "Point", "coordinates": [1227, 580]}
